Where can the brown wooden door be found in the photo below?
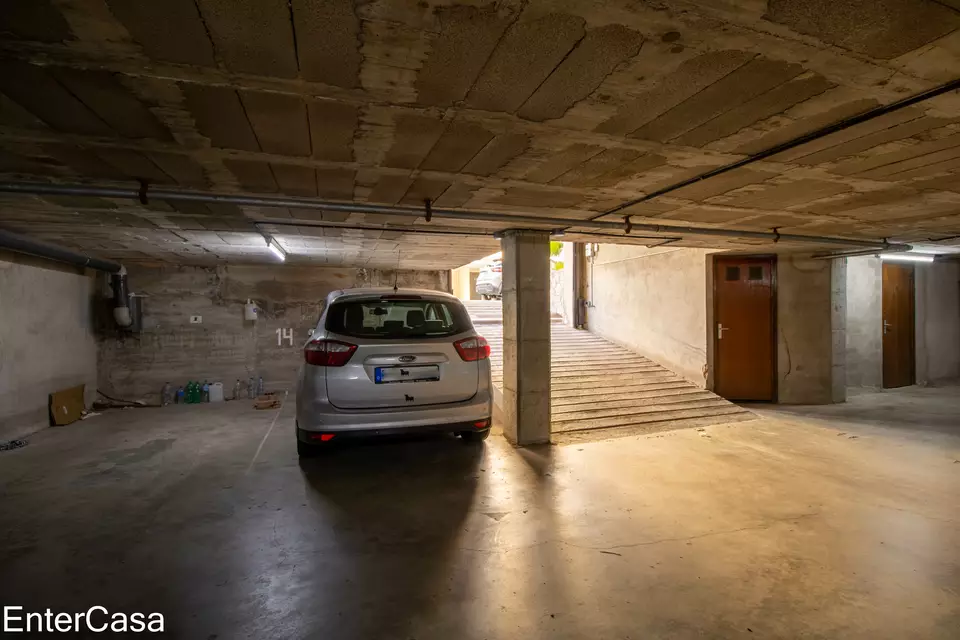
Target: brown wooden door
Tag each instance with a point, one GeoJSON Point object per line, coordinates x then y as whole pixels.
{"type": "Point", "coordinates": [744, 296]}
{"type": "Point", "coordinates": [899, 356]}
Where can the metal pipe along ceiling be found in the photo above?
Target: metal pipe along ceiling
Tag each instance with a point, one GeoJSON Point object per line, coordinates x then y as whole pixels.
{"type": "Point", "coordinates": [24, 244]}
{"type": "Point", "coordinates": [171, 195]}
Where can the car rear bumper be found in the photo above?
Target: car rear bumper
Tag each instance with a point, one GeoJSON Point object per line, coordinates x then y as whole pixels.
{"type": "Point", "coordinates": [321, 416]}
{"type": "Point", "coordinates": [316, 437]}
{"type": "Point", "coordinates": [488, 289]}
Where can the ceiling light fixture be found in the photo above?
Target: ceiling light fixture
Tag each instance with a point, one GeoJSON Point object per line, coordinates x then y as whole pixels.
{"type": "Point", "coordinates": [277, 250]}
{"type": "Point", "coordinates": [905, 257]}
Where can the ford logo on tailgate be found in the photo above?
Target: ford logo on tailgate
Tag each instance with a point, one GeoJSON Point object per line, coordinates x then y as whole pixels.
{"type": "Point", "coordinates": [407, 358]}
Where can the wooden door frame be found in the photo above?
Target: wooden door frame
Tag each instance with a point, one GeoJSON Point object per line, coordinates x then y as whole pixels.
{"type": "Point", "coordinates": [772, 257]}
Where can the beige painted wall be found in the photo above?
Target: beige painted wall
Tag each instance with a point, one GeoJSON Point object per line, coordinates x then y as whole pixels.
{"type": "Point", "coordinates": [659, 302]}
{"type": "Point", "coordinates": [47, 340]}
{"type": "Point", "coordinates": [653, 300]}
{"type": "Point", "coordinates": [460, 282]}
{"type": "Point", "coordinates": [566, 284]}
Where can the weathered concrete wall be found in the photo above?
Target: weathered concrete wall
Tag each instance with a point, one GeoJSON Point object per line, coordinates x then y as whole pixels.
{"type": "Point", "coordinates": [938, 322]}
{"type": "Point", "coordinates": [47, 341]}
{"type": "Point", "coordinates": [864, 322]}
{"type": "Point", "coordinates": [811, 339]}
{"type": "Point", "coordinates": [224, 347]}
{"type": "Point", "coordinates": [654, 301]}
{"type": "Point", "coordinates": [838, 329]}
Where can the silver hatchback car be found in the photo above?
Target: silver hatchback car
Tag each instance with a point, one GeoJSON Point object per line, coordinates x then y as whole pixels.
{"type": "Point", "coordinates": [391, 361]}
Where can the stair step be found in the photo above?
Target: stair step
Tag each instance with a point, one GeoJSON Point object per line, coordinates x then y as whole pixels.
{"type": "Point", "coordinates": [628, 412]}
{"type": "Point", "coordinates": [655, 416]}
{"type": "Point", "coordinates": [656, 426]}
{"type": "Point", "coordinates": [580, 402]}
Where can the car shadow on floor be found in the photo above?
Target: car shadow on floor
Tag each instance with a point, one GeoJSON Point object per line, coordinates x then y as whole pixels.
{"type": "Point", "coordinates": [398, 509]}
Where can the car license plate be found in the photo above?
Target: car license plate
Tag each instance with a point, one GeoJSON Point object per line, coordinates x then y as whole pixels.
{"type": "Point", "coordinates": [424, 373]}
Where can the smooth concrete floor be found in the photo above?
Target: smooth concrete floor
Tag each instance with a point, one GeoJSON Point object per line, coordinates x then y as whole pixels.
{"type": "Point", "coordinates": [795, 525]}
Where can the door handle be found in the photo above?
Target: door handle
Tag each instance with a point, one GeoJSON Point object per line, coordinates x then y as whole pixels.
{"type": "Point", "coordinates": [886, 327]}
{"type": "Point", "coordinates": [720, 330]}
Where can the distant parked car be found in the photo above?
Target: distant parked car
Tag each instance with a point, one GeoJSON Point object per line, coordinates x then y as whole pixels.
{"type": "Point", "coordinates": [490, 281]}
{"type": "Point", "coordinates": [382, 361]}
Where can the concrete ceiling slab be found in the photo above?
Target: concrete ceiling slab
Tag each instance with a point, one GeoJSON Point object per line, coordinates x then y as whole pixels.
{"type": "Point", "coordinates": [539, 108]}
{"type": "Point", "coordinates": [328, 47]}
{"type": "Point", "coordinates": [252, 37]}
{"type": "Point", "coordinates": [878, 28]}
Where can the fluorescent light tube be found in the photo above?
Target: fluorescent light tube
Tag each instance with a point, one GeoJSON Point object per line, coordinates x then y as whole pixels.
{"type": "Point", "coordinates": [905, 257]}
{"type": "Point", "coordinates": [277, 250]}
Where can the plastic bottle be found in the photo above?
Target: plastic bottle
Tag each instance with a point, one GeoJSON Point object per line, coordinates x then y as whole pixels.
{"type": "Point", "coordinates": [181, 396]}
{"type": "Point", "coordinates": [236, 390]}
{"type": "Point", "coordinates": [206, 391]}
{"type": "Point", "coordinates": [251, 389]}
{"type": "Point", "coordinates": [260, 386]}
{"type": "Point", "coordinates": [165, 395]}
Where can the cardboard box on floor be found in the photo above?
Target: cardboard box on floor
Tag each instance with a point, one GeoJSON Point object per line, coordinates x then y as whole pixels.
{"type": "Point", "coordinates": [67, 405]}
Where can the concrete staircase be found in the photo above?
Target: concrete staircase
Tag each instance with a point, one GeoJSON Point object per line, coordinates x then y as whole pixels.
{"type": "Point", "coordinates": [486, 312]}
{"type": "Point", "coordinates": [597, 384]}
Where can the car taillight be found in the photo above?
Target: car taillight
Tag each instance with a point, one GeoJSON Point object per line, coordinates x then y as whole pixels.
{"type": "Point", "coordinates": [471, 349]}
{"type": "Point", "coordinates": [328, 353]}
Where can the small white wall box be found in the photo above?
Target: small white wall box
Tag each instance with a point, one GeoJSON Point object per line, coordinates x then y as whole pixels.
{"type": "Point", "coordinates": [196, 319]}
{"type": "Point", "coordinates": [250, 311]}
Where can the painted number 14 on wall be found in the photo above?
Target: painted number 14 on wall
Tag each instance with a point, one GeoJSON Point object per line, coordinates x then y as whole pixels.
{"type": "Point", "coordinates": [285, 334]}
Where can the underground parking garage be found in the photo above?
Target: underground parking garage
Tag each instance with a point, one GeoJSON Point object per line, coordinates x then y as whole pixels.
{"type": "Point", "coordinates": [247, 388]}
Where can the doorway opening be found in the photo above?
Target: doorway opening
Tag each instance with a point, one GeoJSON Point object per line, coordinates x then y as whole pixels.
{"type": "Point", "coordinates": [899, 342]}
{"type": "Point", "coordinates": [745, 315]}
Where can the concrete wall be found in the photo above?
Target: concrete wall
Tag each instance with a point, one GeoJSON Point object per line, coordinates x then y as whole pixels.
{"type": "Point", "coordinates": [811, 339]}
{"type": "Point", "coordinates": [654, 301]}
{"type": "Point", "coordinates": [938, 322]}
{"type": "Point", "coordinates": [223, 347]}
{"type": "Point", "coordinates": [864, 322]}
{"type": "Point", "coordinates": [47, 341]}
{"type": "Point", "coordinates": [526, 337]}
{"type": "Point", "coordinates": [659, 302]}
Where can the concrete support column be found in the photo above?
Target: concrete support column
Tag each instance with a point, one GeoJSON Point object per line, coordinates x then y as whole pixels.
{"type": "Point", "coordinates": [526, 336]}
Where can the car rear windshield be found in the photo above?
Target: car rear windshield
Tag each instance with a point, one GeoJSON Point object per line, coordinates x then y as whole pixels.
{"type": "Point", "coordinates": [397, 318]}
